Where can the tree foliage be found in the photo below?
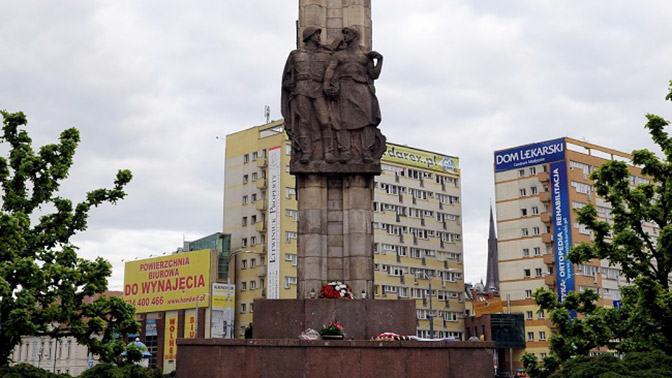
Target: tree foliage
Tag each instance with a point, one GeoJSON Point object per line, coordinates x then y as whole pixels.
{"type": "Point", "coordinates": [644, 322]}
{"type": "Point", "coordinates": [43, 283]}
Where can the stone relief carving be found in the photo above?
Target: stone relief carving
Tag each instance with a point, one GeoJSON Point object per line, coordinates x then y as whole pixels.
{"type": "Point", "coordinates": [329, 104]}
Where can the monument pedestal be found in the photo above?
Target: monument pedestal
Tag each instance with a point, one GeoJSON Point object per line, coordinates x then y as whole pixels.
{"type": "Point", "coordinates": [361, 319]}
{"type": "Point", "coordinates": [214, 358]}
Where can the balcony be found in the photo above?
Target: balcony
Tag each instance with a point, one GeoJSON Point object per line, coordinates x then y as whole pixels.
{"type": "Point", "coordinates": [543, 176]}
{"type": "Point", "coordinates": [261, 183]}
{"type": "Point", "coordinates": [261, 205]}
{"type": "Point", "coordinates": [550, 281]}
{"type": "Point", "coordinates": [545, 197]}
{"type": "Point", "coordinates": [262, 271]}
{"type": "Point", "coordinates": [260, 226]}
{"type": "Point", "coordinates": [549, 259]}
{"type": "Point", "coordinates": [262, 162]}
{"type": "Point", "coordinates": [546, 217]}
{"type": "Point", "coordinates": [547, 238]}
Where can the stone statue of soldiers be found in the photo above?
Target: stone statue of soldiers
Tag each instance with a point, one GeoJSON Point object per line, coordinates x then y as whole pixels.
{"type": "Point", "coordinates": [304, 107]}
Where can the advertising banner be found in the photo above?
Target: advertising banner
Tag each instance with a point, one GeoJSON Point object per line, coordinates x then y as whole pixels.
{"type": "Point", "coordinates": [170, 344]}
{"type": "Point", "coordinates": [421, 159]}
{"type": "Point", "coordinates": [150, 328]}
{"type": "Point", "coordinates": [539, 153]}
{"type": "Point", "coordinates": [273, 219]}
{"type": "Point", "coordinates": [488, 306]}
{"type": "Point", "coordinates": [189, 324]}
{"type": "Point", "coordinates": [168, 282]}
{"type": "Point", "coordinates": [562, 232]}
{"type": "Point", "coordinates": [223, 310]}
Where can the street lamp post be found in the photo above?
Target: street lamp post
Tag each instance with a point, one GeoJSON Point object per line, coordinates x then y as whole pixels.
{"type": "Point", "coordinates": [232, 257]}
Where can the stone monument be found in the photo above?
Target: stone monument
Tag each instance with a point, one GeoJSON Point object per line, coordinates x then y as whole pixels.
{"type": "Point", "coordinates": [331, 116]}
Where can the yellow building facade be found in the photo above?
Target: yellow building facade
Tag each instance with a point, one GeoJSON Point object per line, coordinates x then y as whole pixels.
{"type": "Point", "coordinates": [417, 228]}
{"type": "Point", "coordinates": [537, 188]}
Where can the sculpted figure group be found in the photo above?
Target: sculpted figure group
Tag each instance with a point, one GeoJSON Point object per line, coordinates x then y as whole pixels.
{"type": "Point", "coordinates": [329, 103]}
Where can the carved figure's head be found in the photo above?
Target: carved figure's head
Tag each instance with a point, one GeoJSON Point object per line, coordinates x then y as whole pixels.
{"type": "Point", "coordinates": [350, 34]}
{"type": "Point", "coordinates": [310, 31]}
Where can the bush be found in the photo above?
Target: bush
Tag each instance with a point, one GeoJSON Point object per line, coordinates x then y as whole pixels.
{"type": "Point", "coordinates": [28, 371]}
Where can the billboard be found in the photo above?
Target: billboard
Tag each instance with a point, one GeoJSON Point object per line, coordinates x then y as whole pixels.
{"type": "Point", "coordinates": [421, 159]}
{"type": "Point", "coordinates": [189, 324]}
{"type": "Point", "coordinates": [168, 282]}
{"type": "Point", "coordinates": [488, 306]}
{"type": "Point", "coordinates": [273, 219]}
{"type": "Point", "coordinates": [532, 154]}
{"type": "Point", "coordinates": [561, 228]}
{"type": "Point", "coordinates": [223, 310]}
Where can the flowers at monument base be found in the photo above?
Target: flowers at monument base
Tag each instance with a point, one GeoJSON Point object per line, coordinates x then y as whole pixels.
{"type": "Point", "coordinates": [333, 329]}
{"type": "Point", "coordinates": [336, 290]}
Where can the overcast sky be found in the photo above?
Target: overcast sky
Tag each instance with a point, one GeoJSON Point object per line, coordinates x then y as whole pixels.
{"type": "Point", "coordinates": [152, 84]}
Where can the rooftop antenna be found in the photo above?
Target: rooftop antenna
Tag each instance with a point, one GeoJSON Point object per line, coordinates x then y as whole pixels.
{"type": "Point", "coordinates": [267, 113]}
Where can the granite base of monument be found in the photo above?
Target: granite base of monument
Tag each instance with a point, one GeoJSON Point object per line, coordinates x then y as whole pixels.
{"type": "Point", "coordinates": [210, 358]}
{"type": "Point", "coordinates": [361, 319]}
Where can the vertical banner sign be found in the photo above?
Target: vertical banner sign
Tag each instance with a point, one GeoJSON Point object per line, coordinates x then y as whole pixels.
{"type": "Point", "coordinates": [223, 310]}
{"type": "Point", "coordinates": [274, 192]}
{"type": "Point", "coordinates": [561, 226]}
{"type": "Point", "coordinates": [189, 324]}
{"type": "Point", "coordinates": [170, 344]}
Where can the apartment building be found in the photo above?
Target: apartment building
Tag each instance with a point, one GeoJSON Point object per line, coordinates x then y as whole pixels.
{"type": "Point", "coordinates": [537, 186]}
{"type": "Point", "coordinates": [417, 228]}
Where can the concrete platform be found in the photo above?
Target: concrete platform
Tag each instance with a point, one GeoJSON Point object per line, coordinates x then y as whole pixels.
{"type": "Point", "coordinates": [210, 358]}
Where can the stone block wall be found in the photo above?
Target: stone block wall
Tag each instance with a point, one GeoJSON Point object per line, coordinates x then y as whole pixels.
{"type": "Point", "coordinates": [334, 15]}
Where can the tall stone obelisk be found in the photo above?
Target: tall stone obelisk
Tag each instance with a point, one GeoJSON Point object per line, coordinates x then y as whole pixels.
{"type": "Point", "coordinates": [331, 116]}
{"type": "Point", "coordinates": [333, 15]}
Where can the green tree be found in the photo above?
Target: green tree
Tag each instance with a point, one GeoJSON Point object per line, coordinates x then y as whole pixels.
{"type": "Point", "coordinates": [644, 322]}
{"type": "Point", "coordinates": [43, 283]}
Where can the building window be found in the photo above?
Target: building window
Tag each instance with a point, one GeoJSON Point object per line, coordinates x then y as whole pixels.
{"type": "Point", "coordinates": [253, 263]}
{"type": "Point", "coordinates": [528, 315]}
{"type": "Point", "coordinates": [245, 179]}
{"type": "Point", "coordinates": [254, 197]}
{"type": "Point", "coordinates": [533, 170]}
{"type": "Point", "coordinates": [244, 221]}
{"type": "Point", "coordinates": [289, 281]}
{"type": "Point", "coordinates": [527, 272]}
{"type": "Point", "coordinates": [526, 252]}
{"type": "Point", "coordinates": [530, 336]}
{"type": "Point", "coordinates": [523, 212]}
{"type": "Point", "coordinates": [245, 199]}
{"type": "Point", "coordinates": [243, 308]}
{"type": "Point", "coordinates": [542, 335]}
{"type": "Point", "coordinates": [525, 232]}
{"type": "Point", "coordinates": [290, 192]}
{"type": "Point", "coordinates": [542, 355]}
{"type": "Point", "coordinates": [255, 155]}
{"type": "Point", "coordinates": [528, 293]}
{"type": "Point", "coordinates": [521, 173]}
{"type": "Point", "coordinates": [533, 190]}
{"type": "Point", "coordinates": [535, 210]}
{"type": "Point", "coordinates": [537, 271]}
{"type": "Point", "coordinates": [289, 235]}
{"type": "Point", "coordinates": [255, 176]}
{"type": "Point", "coordinates": [243, 286]}
{"type": "Point", "coordinates": [246, 158]}
{"type": "Point", "coordinates": [537, 251]}
{"type": "Point", "coordinates": [536, 230]}
{"type": "Point", "coordinates": [244, 242]}
{"type": "Point", "coordinates": [253, 219]}
{"type": "Point", "coordinates": [253, 285]}
{"type": "Point", "coordinates": [523, 192]}
{"type": "Point", "coordinates": [253, 240]}
{"type": "Point", "coordinates": [541, 314]}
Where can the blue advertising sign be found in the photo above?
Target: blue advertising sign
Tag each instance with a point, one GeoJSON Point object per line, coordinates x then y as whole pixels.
{"type": "Point", "coordinates": [539, 153]}
{"type": "Point", "coordinates": [561, 228]}
{"type": "Point", "coordinates": [150, 328]}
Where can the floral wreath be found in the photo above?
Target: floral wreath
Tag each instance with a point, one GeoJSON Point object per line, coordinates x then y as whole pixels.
{"type": "Point", "coordinates": [336, 290]}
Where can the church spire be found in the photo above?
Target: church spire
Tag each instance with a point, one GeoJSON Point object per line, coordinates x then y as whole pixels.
{"type": "Point", "coordinates": [492, 280]}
